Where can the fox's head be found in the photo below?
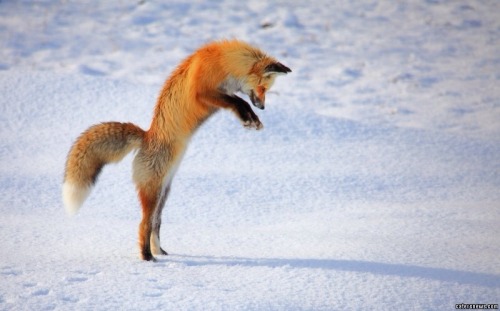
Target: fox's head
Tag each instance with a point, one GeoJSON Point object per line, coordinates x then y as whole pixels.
{"type": "Point", "coordinates": [248, 70]}
{"type": "Point", "coordinates": [261, 79]}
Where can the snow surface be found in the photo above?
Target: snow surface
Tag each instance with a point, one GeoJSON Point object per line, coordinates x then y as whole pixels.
{"type": "Point", "coordinates": [374, 184]}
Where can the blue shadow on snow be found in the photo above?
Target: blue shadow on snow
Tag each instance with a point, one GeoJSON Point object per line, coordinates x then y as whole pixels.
{"type": "Point", "coordinates": [405, 271]}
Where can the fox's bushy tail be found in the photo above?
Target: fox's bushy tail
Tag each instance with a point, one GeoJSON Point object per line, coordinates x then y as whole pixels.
{"type": "Point", "coordinates": [97, 146]}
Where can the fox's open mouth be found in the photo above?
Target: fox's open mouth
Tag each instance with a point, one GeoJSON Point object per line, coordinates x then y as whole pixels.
{"type": "Point", "coordinates": [256, 101]}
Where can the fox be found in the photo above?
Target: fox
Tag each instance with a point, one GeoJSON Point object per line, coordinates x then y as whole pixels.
{"type": "Point", "coordinates": [202, 84]}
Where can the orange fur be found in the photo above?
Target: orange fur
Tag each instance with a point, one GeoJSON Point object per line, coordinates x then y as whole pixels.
{"type": "Point", "coordinates": [204, 82]}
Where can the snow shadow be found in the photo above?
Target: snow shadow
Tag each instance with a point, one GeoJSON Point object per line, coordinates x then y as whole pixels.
{"type": "Point", "coordinates": [401, 270]}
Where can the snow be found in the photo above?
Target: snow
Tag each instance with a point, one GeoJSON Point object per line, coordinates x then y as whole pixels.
{"type": "Point", "coordinates": [374, 184]}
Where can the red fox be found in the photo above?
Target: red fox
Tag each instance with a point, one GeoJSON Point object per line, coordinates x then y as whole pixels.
{"type": "Point", "coordinates": [202, 84]}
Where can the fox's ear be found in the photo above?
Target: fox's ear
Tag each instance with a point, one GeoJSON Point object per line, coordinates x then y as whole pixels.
{"type": "Point", "coordinates": [276, 68]}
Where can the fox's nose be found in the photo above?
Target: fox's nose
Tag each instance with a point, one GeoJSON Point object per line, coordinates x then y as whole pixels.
{"type": "Point", "coordinates": [259, 105]}
{"type": "Point", "coordinates": [256, 101]}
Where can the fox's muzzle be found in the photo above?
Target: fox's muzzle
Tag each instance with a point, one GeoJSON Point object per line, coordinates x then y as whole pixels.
{"type": "Point", "coordinates": [256, 101]}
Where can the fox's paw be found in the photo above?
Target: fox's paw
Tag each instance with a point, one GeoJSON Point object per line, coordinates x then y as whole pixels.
{"type": "Point", "coordinates": [161, 251]}
{"type": "Point", "coordinates": [147, 256]}
{"type": "Point", "coordinates": [253, 124]}
{"type": "Point", "coordinates": [252, 121]}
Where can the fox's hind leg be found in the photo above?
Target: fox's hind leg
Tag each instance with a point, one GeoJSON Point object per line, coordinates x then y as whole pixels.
{"type": "Point", "coordinates": [155, 235]}
{"type": "Point", "coordinates": [154, 168]}
{"type": "Point", "coordinates": [149, 200]}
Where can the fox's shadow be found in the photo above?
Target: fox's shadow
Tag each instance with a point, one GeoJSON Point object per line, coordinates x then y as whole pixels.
{"type": "Point", "coordinates": [401, 270]}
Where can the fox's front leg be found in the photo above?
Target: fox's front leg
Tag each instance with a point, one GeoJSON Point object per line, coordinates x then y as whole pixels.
{"type": "Point", "coordinates": [244, 111]}
{"type": "Point", "coordinates": [238, 105]}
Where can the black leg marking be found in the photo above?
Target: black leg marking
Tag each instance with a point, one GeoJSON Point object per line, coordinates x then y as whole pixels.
{"type": "Point", "coordinates": [157, 219]}
{"type": "Point", "coordinates": [243, 110]}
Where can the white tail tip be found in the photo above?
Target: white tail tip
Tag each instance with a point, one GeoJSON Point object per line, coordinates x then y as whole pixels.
{"type": "Point", "coordinates": [74, 196]}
